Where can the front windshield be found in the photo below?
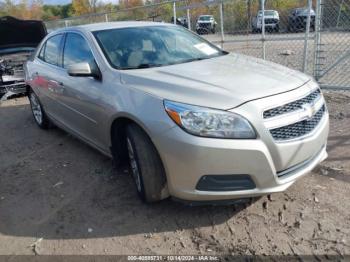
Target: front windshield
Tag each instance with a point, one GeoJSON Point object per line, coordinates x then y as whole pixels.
{"type": "Point", "coordinates": [143, 47]}
{"type": "Point", "coordinates": [267, 13]}
{"type": "Point", "coordinates": [205, 18]}
{"type": "Point", "coordinates": [304, 11]}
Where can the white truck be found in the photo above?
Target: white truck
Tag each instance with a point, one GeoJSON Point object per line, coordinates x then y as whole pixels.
{"type": "Point", "coordinates": [271, 18]}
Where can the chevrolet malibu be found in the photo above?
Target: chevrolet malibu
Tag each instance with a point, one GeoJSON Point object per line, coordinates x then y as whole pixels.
{"type": "Point", "coordinates": [194, 122]}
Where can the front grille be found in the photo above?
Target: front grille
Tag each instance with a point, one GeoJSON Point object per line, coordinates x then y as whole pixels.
{"type": "Point", "coordinates": [204, 25]}
{"type": "Point", "coordinates": [292, 106]}
{"type": "Point", "coordinates": [270, 21]}
{"type": "Point", "coordinates": [298, 129]}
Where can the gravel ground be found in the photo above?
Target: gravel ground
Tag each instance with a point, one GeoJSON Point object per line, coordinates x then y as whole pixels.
{"type": "Point", "coordinates": [59, 196]}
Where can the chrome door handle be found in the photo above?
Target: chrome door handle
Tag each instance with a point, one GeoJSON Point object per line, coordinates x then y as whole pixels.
{"type": "Point", "coordinates": [56, 83]}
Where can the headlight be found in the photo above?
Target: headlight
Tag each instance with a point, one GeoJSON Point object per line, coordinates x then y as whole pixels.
{"type": "Point", "coordinates": [208, 122]}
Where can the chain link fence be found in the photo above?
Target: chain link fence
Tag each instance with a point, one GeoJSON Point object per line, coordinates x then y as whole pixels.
{"type": "Point", "coordinates": [307, 35]}
{"type": "Point", "coordinates": [333, 45]}
{"type": "Point", "coordinates": [282, 39]}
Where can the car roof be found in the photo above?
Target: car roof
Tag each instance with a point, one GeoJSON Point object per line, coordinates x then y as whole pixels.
{"type": "Point", "coordinates": [113, 25]}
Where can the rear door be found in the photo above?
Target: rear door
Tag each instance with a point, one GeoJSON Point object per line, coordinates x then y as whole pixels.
{"type": "Point", "coordinates": [44, 74]}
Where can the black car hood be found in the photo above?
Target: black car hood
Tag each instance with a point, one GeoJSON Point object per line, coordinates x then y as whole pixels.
{"type": "Point", "coordinates": [20, 33]}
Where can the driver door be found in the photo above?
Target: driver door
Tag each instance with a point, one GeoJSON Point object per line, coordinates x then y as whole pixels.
{"type": "Point", "coordinates": [81, 98]}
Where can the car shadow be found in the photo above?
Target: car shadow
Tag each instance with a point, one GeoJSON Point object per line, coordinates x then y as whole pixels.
{"type": "Point", "coordinates": [55, 187]}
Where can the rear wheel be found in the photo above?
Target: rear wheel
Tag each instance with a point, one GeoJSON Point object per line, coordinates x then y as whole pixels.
{"type": "Point", "coordinates": [38, 112]}
{"type": "Point", "coordinates": [145, 164]}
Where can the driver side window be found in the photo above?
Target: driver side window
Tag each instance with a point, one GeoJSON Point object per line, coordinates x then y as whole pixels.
{"type": "Point", "coordinates": [76, 50]}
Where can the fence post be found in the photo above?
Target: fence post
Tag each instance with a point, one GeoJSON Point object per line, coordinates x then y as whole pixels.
{"type": "Point", "coordinates": [106, 17]}
{"type": "Point", "coordinates": [65, 23]}
{"type": "Point", "coordinates": [188, 19]}
{"type": "Point", "coordinates": [222, 24]}
{"type": "Point", "coordinates": [263, 29]}
{"type": "Point", "coordinates": [307, 33]}
{"type": "Point", "coordinates": [339, 13]}
{"type": "Point", "coordinates": [174, 12]}
{"type": "Point", "coordinates": [317, 38]}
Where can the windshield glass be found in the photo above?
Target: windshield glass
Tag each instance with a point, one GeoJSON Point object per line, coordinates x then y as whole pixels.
{"type": "Point", "coordinates": [205, 18]}
{"type": "Point", "coordinates": [143, 47]}
{"type": "Point", "coordinates": [267, 13]}
{"type": "Point", "coordinates": [304, 11]}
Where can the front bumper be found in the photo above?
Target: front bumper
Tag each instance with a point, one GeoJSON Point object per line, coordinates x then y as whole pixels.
{"type": "Point", "coordinates": [272, 166]}
{"type": "Point", "coordinates": [7, 90]}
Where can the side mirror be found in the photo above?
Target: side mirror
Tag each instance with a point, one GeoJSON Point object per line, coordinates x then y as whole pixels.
{"type": "Point", "coordinates": [83, 69]}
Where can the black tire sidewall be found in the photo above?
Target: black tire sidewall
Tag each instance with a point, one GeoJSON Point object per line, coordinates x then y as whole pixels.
{"type": "Point", "coordinates": [136, 156]}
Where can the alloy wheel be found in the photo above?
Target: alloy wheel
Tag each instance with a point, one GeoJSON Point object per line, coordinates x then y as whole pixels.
{"type": "Point", "coordinates": [36, 108]}
{"type": "Point", "coordinates": [134, 165]}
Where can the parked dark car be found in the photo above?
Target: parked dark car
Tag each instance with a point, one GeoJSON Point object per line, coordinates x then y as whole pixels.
{"type": "Point", "coordinates": [18, 40]}
{"type": "Point", "coordinates": [297, 19]}
{"type": "Point", "coordinates": [180, 21]}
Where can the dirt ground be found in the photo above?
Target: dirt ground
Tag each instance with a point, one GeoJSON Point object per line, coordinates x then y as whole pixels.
{"type": "Point", "coordinates": [59, 196]}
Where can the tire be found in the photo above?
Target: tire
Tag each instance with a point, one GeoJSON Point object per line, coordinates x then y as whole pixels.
{"type": "Point", "coordinates": [277, 28]}
{"type": "Point", "coordinates": [145, 164]}
{"type": "Point", "coordinates": [38, 112]}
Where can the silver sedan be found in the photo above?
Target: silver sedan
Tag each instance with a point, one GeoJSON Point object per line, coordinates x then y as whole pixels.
{"type": "Point", "coordinates": [194, 122]}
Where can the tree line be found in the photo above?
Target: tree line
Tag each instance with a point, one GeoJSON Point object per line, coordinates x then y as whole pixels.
{"type": "Point", "coordinates": [36, 9]}
{"type": "Point", "coordinates": [237, 12]}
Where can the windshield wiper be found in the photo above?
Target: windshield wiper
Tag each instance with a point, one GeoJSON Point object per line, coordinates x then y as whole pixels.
{"type": "Point", "coordinates": [188, 60]}
{"type": "Point", "coordinates": [142, 66]}
{"type": "Point", "coordinates": [194, 59]}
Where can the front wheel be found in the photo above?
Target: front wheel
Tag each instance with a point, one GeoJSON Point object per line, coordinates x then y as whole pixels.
{"type": "Point", "coordinates": [277, 28]}
{"type": "Point", "coordinates": [38, 112]}
{"type": "Point", "coordinates": [145, 164]}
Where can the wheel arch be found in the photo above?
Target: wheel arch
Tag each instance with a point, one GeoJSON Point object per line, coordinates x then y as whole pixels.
{"type": "Point", "coordinates": [119, 147]}
{"type": "Point", "coordinates": [117, 135]}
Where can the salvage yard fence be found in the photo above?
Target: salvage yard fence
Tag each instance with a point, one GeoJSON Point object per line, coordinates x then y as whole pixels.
{"type": "Point", "coordinates": [312, 36]}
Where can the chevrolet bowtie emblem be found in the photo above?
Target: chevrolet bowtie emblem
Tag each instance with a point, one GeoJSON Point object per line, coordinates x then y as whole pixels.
{"type": "Point", "coordinates": [309, 110]}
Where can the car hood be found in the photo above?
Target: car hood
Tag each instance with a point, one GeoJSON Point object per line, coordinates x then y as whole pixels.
{"type": "Point", "coordinates": [223, 82]}
{"type": "Point", "coordinates": [20, 33]}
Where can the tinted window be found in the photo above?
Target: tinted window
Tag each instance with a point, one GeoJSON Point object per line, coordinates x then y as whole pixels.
{"type": "Point", "coordinates": [76, 50]}
{"type": "Point", "coordinates": [52, 49]}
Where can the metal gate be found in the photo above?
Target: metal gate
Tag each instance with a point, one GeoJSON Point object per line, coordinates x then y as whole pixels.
{"type": "Point", "coordinates": [332, 42]}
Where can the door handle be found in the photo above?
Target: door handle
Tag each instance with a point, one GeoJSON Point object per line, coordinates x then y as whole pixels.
{"type": "Point", "coordinates": [56, 87]}
{"type": "Point", "coordinates": [56, 83]}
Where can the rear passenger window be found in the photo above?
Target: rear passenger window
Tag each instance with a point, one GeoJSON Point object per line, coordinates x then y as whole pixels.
{"type": "Point", "coordinates": [51, 50]}
{"type": "Point", "coordinates": [76, 50]}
